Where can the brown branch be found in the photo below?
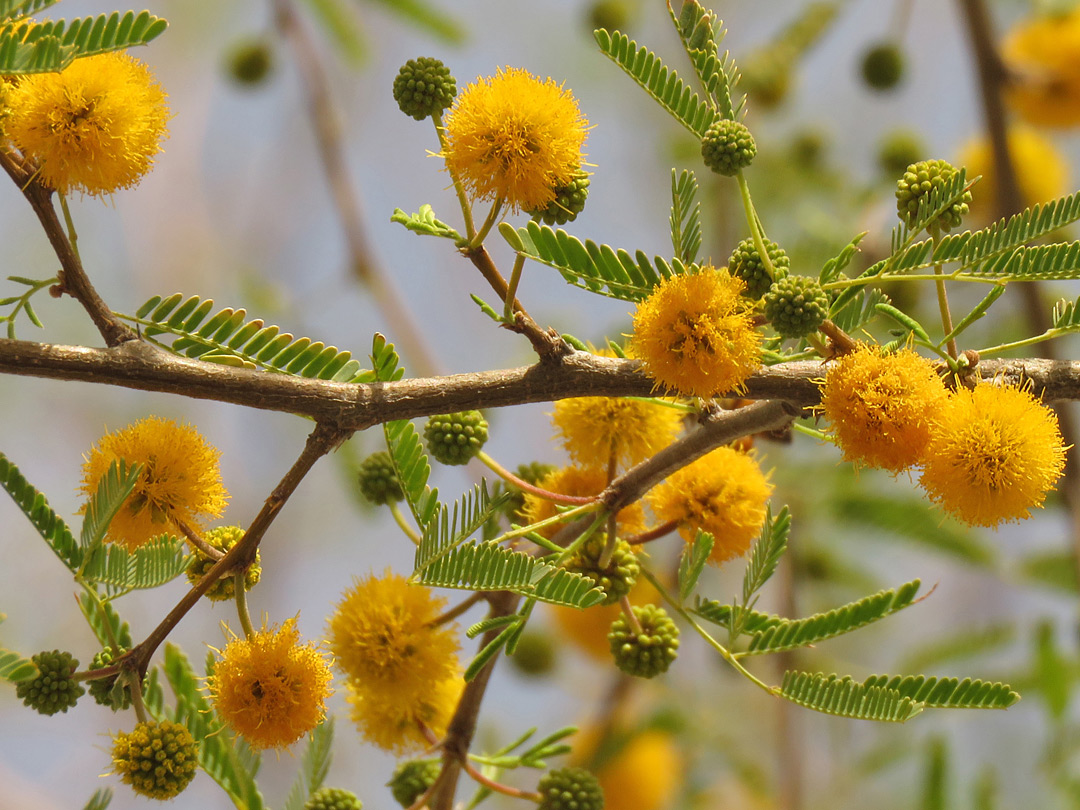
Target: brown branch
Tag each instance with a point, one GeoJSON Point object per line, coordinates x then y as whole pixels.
{"type": "Point", "coordinates": [73, 279]}
{"type": "Point", "coordinates": [331, 151]}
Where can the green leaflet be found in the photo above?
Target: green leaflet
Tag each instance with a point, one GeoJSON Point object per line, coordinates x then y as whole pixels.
{"type": "Point", "coordinates": [844, 697]}
{"type": "Point", "coordinates": [15, 668]}
{"type": "Point", "coordinates": [947, 693]}
{"type": "Point", "coordinates": [425, 223]}
{"type": "Point", "coordinates": [118, 570]}
{"type": "Point", "coordinates": [765, 556]}
{"type": "Point", "coordinates": [446, 527]}
{"type": "Point", "coordinates": [100, 800]}
{"type": "Point", "coordinates": [34, 505]}
{"type": "Point", "coordinates": [596, 268]}
{"type": "Point", "coordinates": [413, 469]}
{"type": "Point", "coordinates": [113, 489]}
{"type": "Point", "coordinates": [227, 337]}
{"type": "Point", "coordinates": [13, 10]}
{"type": "Point", "coordinates": [314, 765]}
{"type": "Point", "coordinates": [104, 620]}
{"type": "Point", "coordinates": [692, 562]}
{"type": "Point", "coordinates": [685, 217]}
{"type": "Point", "coordinates": [51, 45]}
{"type": "Point", "coordinates": [663, 84]}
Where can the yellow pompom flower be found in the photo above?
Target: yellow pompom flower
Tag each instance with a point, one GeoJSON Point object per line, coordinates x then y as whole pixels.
{"type": "Point", "coordinates": [95, 127]}
{"type": "Point", "coordinates": [1041, 170]}
{"type": "Point", "coordinates": [644, 773]}
{"type": "Point", "coordinates": [579, 482]}
{"type": "Point", "coordinates": [724, 493]}
{"type": "Point", "coordinates": [1043, 54]}
{"type": "Point", "coordinates": [381, 635]}
{"type": "Point", "coordinates": [269, 688]}
{"type": "Point", "coordinates": [994, 453]}
{"type": "Point", "coordinates": [598, 430]}
{"type": "Point", "coordinates": [180, 479]}
{"type": "Point", "coordinates": [393, 721]}
{"type": "Point", "coordinates": [515, 138]}
{"type": "Point", "coordinates": [695, 334]}
{"type": "Point", "coordinates": [881, 406]}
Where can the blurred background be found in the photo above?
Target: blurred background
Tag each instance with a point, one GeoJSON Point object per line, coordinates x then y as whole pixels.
{"type": "Point", "coordinates": [238, 209]}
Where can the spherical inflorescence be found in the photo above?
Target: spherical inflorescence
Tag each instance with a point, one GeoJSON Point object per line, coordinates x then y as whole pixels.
{"type": "Point", "coordinates": [728, 147]}
{"type": "Point", "coordinates": [329, 798]}
{"type": "Point", "coordinates": [745, 263]}
{"type": "Point", "coordinates": [53, 689]}
{"type": "Point", "coordinates": [109, 691]}
{"type": "Point", "coordinates": [796, 306]}
{"type": "Point", "coordinates": [918, 182]}
{"type": "Point", "coordinates": [454, 438]}
{"type": "Point", "coordinates": [898, 149]}
{"type": "Point", "coordinates": [411, 778]}
{"type": "Point", "coordinates": [617, 577]}
{"type": "Point", "coordinates": [378, 479]}
{"type": "Point", "coordinates": [650, 652]}
{"type": "Point", "coordinates": [883, 66]}
{"type": "Point", "coordinates": [424, 87]}
{"type": "Point", "coordinates": [570, 789]}
{"type": "Point", "coordinates": [568, 203]}
{"type": "Point", "coordinates": [158, 760]}
{"type": "Point", "coordinates": [222, 538]}
{"type": "Point", "coordinates": [599, 431]}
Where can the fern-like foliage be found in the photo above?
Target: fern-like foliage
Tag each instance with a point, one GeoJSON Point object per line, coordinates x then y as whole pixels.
{"type": "Point", "coordinates": [660, 82]}
{"type": "Point", "coordinates": [118, 570]}
{"type": "Point", "coordinates": [103, 619]}
{"type": "Point", "coordinates": [228, 760]}
{"type": "Point", "coordinates": [834, 267]}
{"type": "Point", "coordinates": [314, 765]}
{"type": "Point", "coordinates": [385, 362]}
{"type": "Point", "coordinates": [947, 693]}
{"type": "Point", "coordinates": [855, 307]}
{"type": "Point", "coordinates": [425, 223]}
{"type": "Point", "coordinates": [844, 697]}
{"type": "Point", "coordinates": [765, 556]}
{"type": "Point", "coordinates": [593, 267]}
{"type": "Point", "coordinates": [692, 562]}
{"type": "Point", "coordinates": [43, 55]}
{"type": "Point", "coordinates": [685, 216]}
{"type": "Point", "coordinates": [788, 634]}
{"type": "Point", "coordinates": [113, 489]}
{"type": "Point", "coordinates": [100, 800]}
{"type": "Point", "coordinates": [15, 10]}
{"type": "Point", "coordinates": [724, 615]}
{"type": "Point", "coordinates": [35, 506]}
{"type": "Point", "coordinates": [413, 468]}
{"type": "Point", "coordinates": [15, 668]}
{"type": "Point", "coordinates": [93, 35]}
{"type": "Point", "coordinates": [227, 337]}
{"type": "Point", "coordinates": [1066, 315]}
{"type": "Point", "coordinates": [1058, 262]}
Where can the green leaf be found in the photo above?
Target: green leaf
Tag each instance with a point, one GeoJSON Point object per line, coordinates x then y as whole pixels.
{"type": "Point", "coordinates": [427, 18]}
{"type": "Point", "coordinates": [902, 318]}
{"type": "Point", "coordinates": [947, 693]}
{"type": "Point", "coordinates": [1054, 262]}
{"type": "Point", "coordinates": [788, 634]}
{"type": "Point", "coordinates": [490, 650]}
{"type": "Point", "coordinates": [1053, 672]}
{"type": "Point", "coordinates": [769, 548]}
{"type": "Point", "coordinates": [977, 312]}
{"type": "Point", "coordinates": [935, 788]}
{"type": "Point", "coordinates": [314, 765]}
{"type": "Point", "coordinates": [34, 505]}
{"type": "Point", "coordinates": [341, 22]}
{"type": "Point", "coordinates": [113, 489]}
{"type": "Point", "coordinates": [663, 84]}
{"type": "Point", "coordinates": [964, 643]}
{"type": "Point", "coordinates": [596, 268]}
{"type": "Point", "coordinates": [43, 55]}
{"type": "Point", "coordinates": [1053, 569]}
{"type": "Point", "coordinates": [228, 334]}
{"type": "Point", "coordinates": [844, 697]}
{"type": "Point", "coordinates": [724, 616]}
{"type": "Point", "coordinates": [151, 565]}
{"type": "Point", "coordinates": [1066, 315]}
{"type": "Point", "coordinates": [413, 468]}
{"type": "Point", "coordinates": [692, 562]}
{"type": "Point", "coordinates": [15, 668]}
{"type": "Point", "coordinates": [385, 361]}
{"type": "Point", "coordinates": [13, 10]}
{"type": "Point", "coordinates": [90, 36]}
{"type": "Point", "coordinates": [103, 619]}
{"type": "Point", "coordinates": [855, 307]}
{"type": "Point", "coordinates": [491, 623]}
{"type": "Point", "coordinates": [425, 223]}
{"type": "Point", "coordinates": [100, 800]}
{"type": "Point", "coordinates": [834, 267]}
{"type": "Point", "coordinates": [685, 217]}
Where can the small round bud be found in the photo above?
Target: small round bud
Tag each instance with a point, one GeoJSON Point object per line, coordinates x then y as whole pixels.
{"type": "Point", "coordinates": [249, 62]}
{"type": "Point", "coordinates": [728, 147]}
{"type": "Point", "coordinates": [614, 15]}
{"type": "Point", "coordinates": [568, 203]}
{"type": "Point", "coordinates": [424, 87]}
{"type": "Point", "coordinates": [883, 66]}
{"type": "Point", "coordinates": [110, 691]}
{"type": "Point", "coordinates": [570, 789]}
{"type": "Point", "coordinates": [645, 654]}
{"type": "Point", "coordinates": [332, 799]}
{"type": "Point", "coordinates": [898, 150]}
{"type": "Point", "coordinates": [412, 778]}
{"type": "Point", "coordinates": [222, 538]}
{"type": "Point", "coordinates": [378, 479]}
{"type": "Point", "coordinates": [745, 262]}
{"type": "Point", "coordinates": [766, 77]}
{"type": "Point", "coordinates": [807, 147]}
{"type": "Point", "coordinates": [53, 690]}
{"type": "Point", "coordinates": [454, 438]}
{"type": "Point", "coordinates": [534, 654]}
{"type": "Point", "coordinates": [620, 574]}
{"type": "Point", "coordinates": [158, 760]}
{"type": "Point", "coordinates": [919, 180]}
{"type": "Point", "coordinates": [796, 306]}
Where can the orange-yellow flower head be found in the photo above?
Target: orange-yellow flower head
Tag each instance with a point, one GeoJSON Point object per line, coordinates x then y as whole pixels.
{"type": "Point", "coordinates": [1041, 170]}
{"type": "Point", "coordinates": [95, 127]}
{"type": "Point", "coordinates": [269, 688]}
{"type": "Point", "coordinates": [694, 334]}
{"type": "Point", "coordinates": [516, 138]}
{"type": "Point", "coordinates": [180, 479]}
{"type": "Point", "coordinates": [643, 772]}
{"type": "Point", "coordinates": [1043, 57]}
{"type": "Point", "coordinates": [724, 493]}
{"type": "Point", "coordinates": [881, 406]}
{"type": "Point", "coordinates": [381, 635]}
{"type": "Point", "coordinates": [993, 454]}
{"type": "Point", "coordinates": [598, 430]}
{"type": "Point", "coordinates": [579, 482]}
{"type": "Point", "coordinates": [393, 721]}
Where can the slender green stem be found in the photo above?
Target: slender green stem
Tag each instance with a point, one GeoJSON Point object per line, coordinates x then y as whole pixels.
{"type": "Point", "coordinates": [511, 290]}
{"type": "Point", "coordinates": [755, 225]}
{"type": "Point", "coordinates": [498, 787]}
{"type": "Point", "coordinates": [628, 612]}
{"type": "Point", "coordinates": [881, 278]}
{"type": "Point", "coordinates": [943, 296]}
{"type": "Point", "coordinates": [403, 524]}
{"type": "Point", "coordinates": [562, 517]}
{"type": "Point", "coordinates": [463, 199]}
{"type": "Point", "coordinates": [1001, 348]}
{"type": "Point", "coordinates": [806, 430]}
{"type": "Point", "coordinates": [525, 486]}
{"type": "Point", "coordinates": [489, 223]}
{"type": "Point", "coordinates": [457, 610]}
{"type": "Point", "coordinates": [73, 237]}
{"type": "Point", "coordinates": [241, 604]}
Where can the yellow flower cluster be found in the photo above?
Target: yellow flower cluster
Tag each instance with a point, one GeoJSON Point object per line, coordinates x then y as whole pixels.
{"type": "Point", "coordinates": [988, 454]}
{"type": "Point", "coordinates": [1042, 54]}
{"type": "Point", "coordinates": [1041, 170]}
{"type": "Point", "coordinates": [401, 667]}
